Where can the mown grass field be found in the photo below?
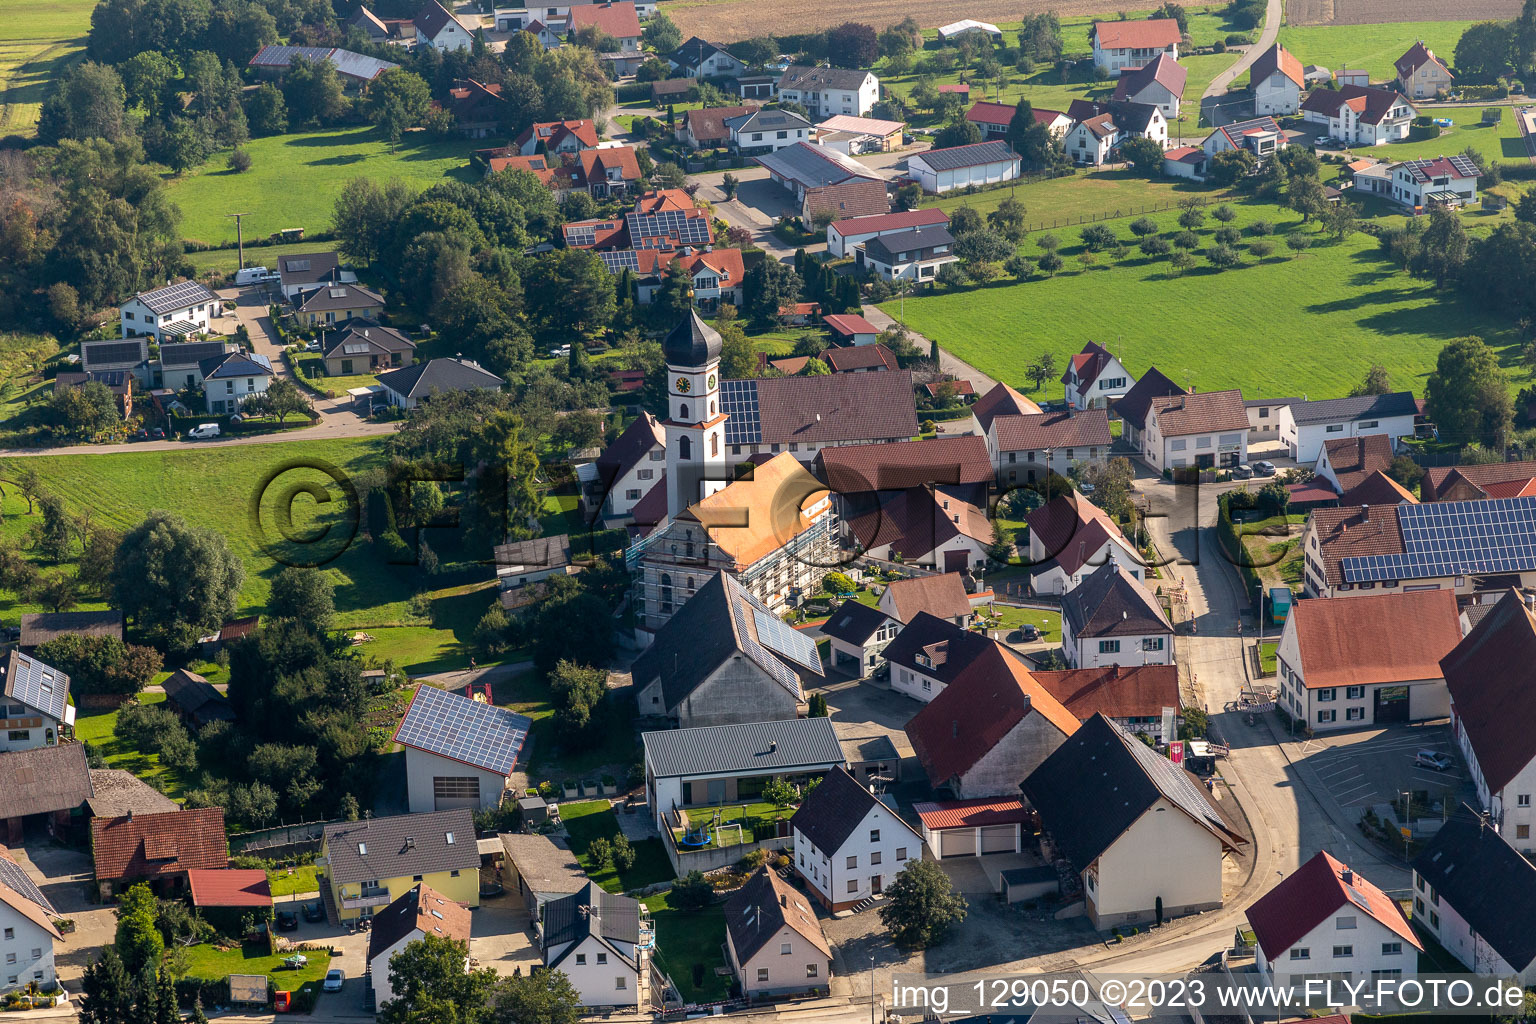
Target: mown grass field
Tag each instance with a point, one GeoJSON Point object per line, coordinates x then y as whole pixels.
{"type": "Point", "coordinates": [594, 819]}
{"type": "Point", "coordinates": [227, 261]}
{"type": "Point", "coordinates": [1500, 142]}
{"type": "Point", "coordinates": [1310, 324]}
{"type": "Point", "coordinates": [1057, 204]}
{"type": "Point", "coordinates": [37, 42]}
{"type": "Point", "coordinates": [685, 938]}
{"type": "Point", "coordinates": [95, 728]}
{"type": "Point", "coordinates": [1369, 47]}
{"type": "Point", "coordinates": [294, 180]}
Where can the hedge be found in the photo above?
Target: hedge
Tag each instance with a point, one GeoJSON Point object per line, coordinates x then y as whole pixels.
{"type": "Point", "coordinates": [1232, 544]}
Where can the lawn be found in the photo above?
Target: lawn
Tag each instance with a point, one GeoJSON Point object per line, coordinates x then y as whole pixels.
{"type": "Point", "coordinates": [292, 881]}
{"type": "Point", "coordinates": [42, 41]}
{"type": "Point", "coordinates": [686, 939]}
{"type": "Point", "coordinates": [1371, 47]}
{"type": "Point", "coordinates": [1010, 619]}
{"type": "Point", "coordinates": [95, 728]}
{"type": "Point", "coordinates": [207, 961]}
{"type": "Point", "coordinates": [1310, 324]}
{"type": "Point", "coordinates": [294, 180]}
{"type": "Point", "coordinates": [1267, 665]}
{"type": "Point", "coordinates": [1500, 142]}
{"type": "Point", "coordinates": [227, 261]}
{"type": "Point", "coordinates": [312, 366]}
{"type": "Point", "coordinates": [1059, 204]}
{"type": "Point", "coordinates": [528, 694]}
{"type": "Point", "coordinates": [445, 644]}
{"type": "Point", "coordinates": [595, 820]}
{"type": "Point", "coordinates": [736, 814]}
{"type": "Point", "coordinates": [1276, 557]}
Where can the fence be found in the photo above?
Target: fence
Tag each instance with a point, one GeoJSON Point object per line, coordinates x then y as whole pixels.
{"type": "Point", "coordinates": [281, 835]}
{"type": "Point", "coordinates": [1094, 218]}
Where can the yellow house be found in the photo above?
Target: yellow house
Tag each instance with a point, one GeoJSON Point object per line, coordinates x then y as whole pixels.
{"type": "Point", "coordinates": [1422, 75]}
{"type": "Point", "coordinates": [364, 866]}
{"type": "Point", "coordinates": [337, 303]}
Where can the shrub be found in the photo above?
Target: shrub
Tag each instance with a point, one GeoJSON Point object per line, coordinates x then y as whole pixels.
{"type": "Point", "coordinates": [1223, 256]}
{"type": "Point", "coordinates": [600, 853]}
{"type": "Point", "coordinates": [1261, 248]}
{"type": "Point", "coordinates": [1298, 242]}
{"type": "Point", "coordinates": [692, 892]}
{"type": "Point", "coordinates": [239, 161]}
{"type": "Point", "coordinates": [1261, 228]}
{"type": "Point", "coordinates": [623, 852]}
{"type": "Point", "coordinates": [1098, 237]}
{"type": "Point", "coordinates": [1186, 240]}
{"type": "Point", "coordinates": [1227, 235]}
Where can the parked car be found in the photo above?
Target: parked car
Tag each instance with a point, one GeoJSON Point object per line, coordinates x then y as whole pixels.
{"type": "Point", "coordinates": [1433, 759]}
{"type": "Point", "coordinates": [1029, 633]}
{"type": "Point", "coordinates": [1264, 468]}
{"type": "Point", "coordinates": [314, 911]}
{"type": "Point", "coordinates": [334, 979]}
{"type": "Point", "coordinates": [203, 432]}
{"type": "Point", "coordinates": [312, 346]}
{"type": "Point", "coordinates": [1242, 471]}
{"type": "Point", "coordinates": [287, 921]}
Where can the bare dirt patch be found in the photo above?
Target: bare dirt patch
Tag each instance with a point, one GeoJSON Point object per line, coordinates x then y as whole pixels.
{"type": "Point", "coordinates": [728, 20]}
{"type": "Point", "coordinates": [1381, 12]}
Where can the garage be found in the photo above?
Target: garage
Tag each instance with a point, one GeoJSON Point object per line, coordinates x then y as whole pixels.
{"type": "Point", "coordinates": [968, 828]}
{"type": "Point", "coordinates": [847, 662]}
{"type": "Point", "coordinates": [957, 843]}
{"type": "Point", "coordinates": [450, 792]}
{"type": "Point", "coordinates": [999, 839]}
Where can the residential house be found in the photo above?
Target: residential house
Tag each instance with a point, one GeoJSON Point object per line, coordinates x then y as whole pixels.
{"type": "Point", "coordinates": [115, 792]}
{"type": "Point", "coordinates": [993, 119]}
{"type": "Point", "coordinates": [852, 134]}
{"type": "Point", "coordinates": [972, 828]}
{"type": "Point", "coordinates": [957, 462]}
{"type": "Point", "coordinates": [916, 254]}
{"type": "Point", "coordinates": [1026, 449]}
{"type": "Point", "coordinates": [1159, 82]}
{"type": "Point", "coordinates": [1000, 400]}
{"type": "Point", "coordinates": [228, 897]}
{"type": "Point", "coordinates": [1420, 185]}
{"type": "Point", "coordinates": [37, 628]}
{"type": "Point", "coordinates": [305, 272]}
{"type": "Point", "coordinates": [1264, 418]}
{"type": "Point", "coordinates": [606, 171]}
{"type": "Point", "coordinates": [119, 382]}
{"type": "Point", "coordinates": [930, 651]}
{"type": "Point", "coordinates": [1100, 128]}
{"type": "Point", "coordinates": [158, 849]}
{"type": "Point", "coordinates": [844, 236]}
{"type": "Point", "coordinates": [1475, 893]}
{"type": "Point", "coordinates": [366, 865]}
{"type": "Point", "coordinates": [698, 58]}
{"type": "Point", "coordinates": [1360, 550]}
{"type": "Point", "coordinates": [773, 940]}
{"type": "Point", "coordinates": [1305, 426]}
{"type": "Point", "coordinates": [1095, 378]}
{"type": "Point", "coordinates": [627, 469]}
{"type": "Point", "coordinates": [229, 380]}
{"type": "Point", "coordinates": [1326, 919]}
{"type": "Point", "coordinates": [540, 868]}
{"type": "Point", "coordinates": [974, 165]}
{"type": "Point", "coordinates": [943, 596]}
{"type": "Point", "coordinates": [1346, 462]}
{"type": "Point", "coordinates": [27, 931]}
{"type": "Point", "coordinates": [1376, 489]}
{"type": "Point", "coordinates": [458, 752]}
{"type": "Point", "coordinates": [723, 659]}
{"type": "Point", "coordinates": [1140, 833]}
{"type": "Point", "coordinates": [556, 137]}
{"type": "Point", "coordinates": [419, 912]}
{"type": "Point", "coordinates": [849, 846]}
{"type": "Point", "coordinates": [1472, 483]}
{"type": "Point", "coordinates": [860, 359]}
{"type": "Point", "coordinates": [1371, 661]}
{"type": "Point", "coordinates": [365, 346]}
{"type": "Point", "coordinates": [923, 526]}
{"type": "Point", "coordinates": [356, 70]}
{"type": "Point", "coordinates": [378, 30]}
{"type": "Point", "coordinates": [1421, 75]}
{"type": "Point", "coordinates": [45, 788]}
{"type": "Point", "coordinates": [1111, 619]}
{"type": "Point", "coordinates": [715, 276]}
{"type": "Point", "coordinates": [438, 28]}
{"type": "Point", "coordinates": [705, 127]}
{"type": "Point", "coordinates": [1277, 79]}
{"type": "Point", "coordinates": [857, 636]}
{"type": "Point", "coordinates": [196, 700]}
{"type": "Point", "coordinates": [1202, 430]}
{"type": "Point", "coordinates": [180, 365]}
{"type": "Point", "coordinates": [479, 109]}
{"type": "Point", "coordinates": [990, 725]}
{"type": "Point", "coordinates": [175, 311]}
{"type": "Point", "coordinates": [1120, 46]}
{"type": "Point", "coordinates": [1360, 115]}
{"type": "Point", "coordinates": [825, 91]}
{"type": "Point", "coordinates": [617, 19]}
{"type": "Point", "coordinates": [337, 303]}
{"type": "Point", "coordinates": [1134, 698]}
{"type": "Point", "coordinates": [36, 704]}
{"type": "Point", "coordinates": [603, 944]}
{"type": "Point", "coordinates": [722, 764]}
{"type": "Point", "coordinates": [131, 354]}
{"type": "Point", "coordinates": [823, 179]}
{"type": "Point", "coordinates": [1069, 539]}
{"type": "Point", "coordinates": [765, 129]}
{"type": "Point", "coordinates": [410, 385]}
{"type": "Point", "coordinates": [1261, 136]}
{"type": "Point", "coordinates": [524, 563]}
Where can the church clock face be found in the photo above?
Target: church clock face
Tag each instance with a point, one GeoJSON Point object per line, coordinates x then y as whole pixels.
{"type": "Point", "coordinates": [711, 382]}
{"type": "Point", "coordinates": [683, 385]}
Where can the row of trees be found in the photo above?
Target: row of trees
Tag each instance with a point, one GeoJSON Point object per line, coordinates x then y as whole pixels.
{"type": "Point", "coordinates": [1489, 50]}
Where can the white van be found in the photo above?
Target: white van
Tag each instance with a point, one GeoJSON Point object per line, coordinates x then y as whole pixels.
{"type": "Point", "coordinates": [203, 431]}
{"type": "Point", "coordinates": [254, 275]}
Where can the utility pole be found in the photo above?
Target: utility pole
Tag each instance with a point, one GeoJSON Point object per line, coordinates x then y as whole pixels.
{"type": "Point", "coordinates": [239, 237]}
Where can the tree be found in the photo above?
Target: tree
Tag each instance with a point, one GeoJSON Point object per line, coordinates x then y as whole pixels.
{"type": "Point", "coordinates": [692, 892]}
{"type": "Point", "coordinates": [138, 939]}
{"type": "Point", "coordinates": [266, 111]}
{"type": "Point", "coordinates": [920, 905]}
{"type": "Point", "coordinates": [661, 34]}
{"type": "Point", "coordinates": [305, 595]}
{"type": "Point", "coordinates": [84, 410]}
{"type": "Point", "coordinates": [770, 286]}
{"type": "Point", "coordinates": [1008, 219]}
{"type": "Point", "coordinates": [1228, 167]}
{"type": "Point", "coordinates": [1112, 485]}
{"type": "Point", "coordinates": [1223, 256]}
{"type": "Point", "coordinates": [541, 997]}
{"type": "Point", "coordinates": [1340, 219]}
{"type": "Point", "coordinates": [1041, 370]}
{"type": "Point", "coordinates": [1405, 471]}
{"type": "Point", "coordinates": [817, 706]}
{"type": "Point", "coordinates": [1141, 227]}
{"type": "Point", "coordinates": [1466, 397]}
{"type": "Point", "coordinates": [571, 293]}
{"type": "Point", "coordinates": [397, 100]}
{"type": "Point", "coordinates": [1443, 248]}
{"type": "Point", "coordinates": [1019, 266]}
{"type": "Point", "coordinates": [174, 580]}
{"type": "Point", "coordinates": [90, 103]}
{"type": "Point", "coordinates": [852, 45]}
{"type": "Point", "coordinates": [1098, 237]}
{"type": "Point", "coordinates": [101, 664]}
{"type": "Point", "coordinates": [1155, 245]}
{"type": "Point", "coordinates": [1176, 13]}
{"type": "Point", "coordinates": [1193, 214]}
{"type": "Point", "coordinates": [1377, 382]}
{"type": "Point", "coordinates": [239, 161]}
{"type": "Point", "coordinates": [281, 399]}
{"type": "Point", "coordinates": [956, 132]}
{"type": "Point", "coordinates": [366, 214]}
{"type": "Point", "coordinates": [312, 89]}
{"type": "Point", "coordinates": [982, 246]}
{"type": "Point", "coordinates": [1484, 50]}
{"type": "Point", "coordinates": [106, 994]}
{"type": "Point", "coordinates": [1146, 155]}
{"type": "Point", "coordinates": [1525, 207]}
{"type": "Point", "coordinates": [577, 690]}
{"type": "Point", "coordinates": [1040, 37]}
{"type": "Point", "coordinates": [780, 792]}
{"type": "Point", "coordinates": [1181, 261]}
{"type": "Point", "coordinates": [430, 982]}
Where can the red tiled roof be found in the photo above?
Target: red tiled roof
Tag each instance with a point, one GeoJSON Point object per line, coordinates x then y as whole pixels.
{"type": "Point", "coordinates": [943, 596]}
{"type": "Point", "coordinates": [539, 166]}
{"type": "Point", "coordinates": [918, 521]}
{"type": "Point", "coordinates": [1417, 56]}
{"type": "Point", "coordinates": [551, 133]}
{"type": "Point", "coordinates": [963, 88]}
{"type": "Point", "coordinates": [151, 845]}
{"type": "Point", "coordinates": [1088, 364]}
{"type": "Point", "coordinates": [1153, 33]}
{"type": "Point", "coordinates": [1163, 70]}
{"type": "Point", "coordinates": [1277, 58]}
{"type": "Point", "coordinates": [1355, 458]}
{"type": "Point", "coordinates": [1072, 530]}
{"type": "Point", "coordinates": [987, 112]}
{"type": "Point", "coordinates": [941, 814]}
{"type": "Point", "coordinates": [1311, 895]}
{"type": "Point", "coordinates": [858, 357]}
{"type": "Point", "coordinates": [1002, 400]}
{"type": "Point", "coordinates": [1203, 412]}
{"type": "Point", "coordinates": [229, 887]}
{"type": "Point", "coordinates": [622, 158]}
{"type": "Point", "coordinates": [1141, 691]}
{"type": "Point", "coordinates": [849, 324]}
{"type": "Point", "coordinates": [1347, 533]}
{"type": "Point", "coordinates": [1372, 102]}
{"type": "Point", "coordinates": [709, 122]}
{"type": "Point", "coordinates": [850, 469]}
{"type": "Point", "coordinates": [1492, 699]}
{"type": "Point", "coordinates": [1380, 489]}
{"type": "Point", "coordinates": [800, 309]}
{"type": "Point", "coordinates": [858, 197]}
{"type": "Point", "coordinates": [1342, 642]}
{"type": "Point", "coordinates": [617, 19]}
{"type": "Point", "coordinates": [1181, 153]}
{"type": "Point", "coordinates": [1089, 428]}
{"type": "Point", "coordinates": [889, 222]}
{"type": "Point", "coordinates": [961, 387]}
{"type": "Point", "coordinates": [1472, 482]}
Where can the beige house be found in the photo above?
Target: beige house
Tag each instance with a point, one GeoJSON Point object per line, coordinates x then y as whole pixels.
{"type": "Point", "coordinates": [773, 939]}
{"type": "Point", "coordinates": [1422, 75]}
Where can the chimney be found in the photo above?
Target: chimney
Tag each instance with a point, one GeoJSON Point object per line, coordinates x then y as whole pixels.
{"type": "Point", "coordinates": [1114, 671]}
{"type": "Point", "coordinates": [954, 729]}
{"type": "Point", "coordinates": [1365, 513]}
{"type": "Point", "coordinates": [773, 747]}
{"type": "Point", "coordinates": [1348, 876]}
{"type": "Point", "coordinates": [783, 900]}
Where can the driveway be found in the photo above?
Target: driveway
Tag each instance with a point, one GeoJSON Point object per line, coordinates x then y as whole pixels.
{"type": "Point", "coordinates": [1273, 12]}
{"type": "Point", "coordinates": [65, 876]}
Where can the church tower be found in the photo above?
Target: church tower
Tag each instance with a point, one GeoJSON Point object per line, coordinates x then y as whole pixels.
{"type": "Point", "coordinates": [695, 424]}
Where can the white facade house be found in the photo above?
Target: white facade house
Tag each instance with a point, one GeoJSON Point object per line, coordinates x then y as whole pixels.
{"type": "Point", "coordinates": [1422, 75]}
{"type": "Point", "coordinates": [1111, 619]}
{"type": "Point", "coordinates": [858, 635]}
{"type": "Point", "coordinates": [848, 845]}
{"type": "Point", "coordinates": [1100, 128]}
{"type": "Point", "coordinates": [1070, 538]}
{"type": "Point", "coordinates": [844, 235]}
{"type": "Point", "coordinates": [980, 163]}
{"type": "Point", "coordinates": [773, 940]}
{"type": "Point", "coordinates": [27, 931]}
{"type": "Point", "coordinates": [1277, 79]}
{"type": "Point", "coordinates": [1095, 377]}
{"type": "Point", "coordinates": [1207, 429]}
{"type": "Point", "coordinates": [459, 752]}
{"type": "Point", "coordinates": [1022, 449]}
{"type": "Point", "coordinates": [828, 91]}
{"type": "Point", "coordinates": [418, 912]}
{"type": "Point", "coordinates": [603, 944]}
{"type": "Point", "coordinates": [1122, 45]}
{"type": "Point", "coordinates": [1443, 181]}
{"type": "Point", "coordinates": [1361, 115]}
{"type": "Point", "coordinates": [437, 27]}
{"type": "Point", "coordinates": [1159, 82]}
{"type": "Point", "coordinates": [34, 704]}
{"type": "Point", "coordinates": [1306, 426]}
{"type": "Point", "coordinates": [628, 469]}
{"type": "Point", "coordinates": [230, 380]}
{"type": "Point", "coordinates": [171, 313]}
{"type": "Point", "coordinates": [768, 129]}
{"type": "Point", "coordinates": [915, 254]}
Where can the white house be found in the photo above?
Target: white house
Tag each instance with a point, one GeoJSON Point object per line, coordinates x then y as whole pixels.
{"type": "Point", "coordinates": [458, 752]}
{"type": "Point", "coordinates": [180, 365]}
{"type": "Point", "coordinates": [1142, 836]}
{"type": "Point", "coordinates": [1260, 136]}
{"type": "Point", "coordinates": [1360, 115]}
{"type": "Point", "coordinates": [1488, 675]}
{"type": "Point", "coordinates": [980, 163]}
{"type": "Point", "coordinates": [942, 596]}
{"type": "Point", "coordinates": [1069, 539]}
{"type": "Point", "coordinates": [915, 254]}
{"type": "Point", "coordinates": [848, 845]}
{"type": "Point", "coordinates": [1443, 181]}
{"type": "Point", "coordinates": [1476, 895]}
{"type": "Point", "coordinates": [773, 940]}
{"type": "Point", "coordinates": [1023, 449]}
{"type": "Point", "coordinates": [1159, 82]}
{"type": "Point", "coordinates": [826, 91]}
{"type": "Point", "coordinates": [1000, 400]}
{"type": "Point", "coordinates": [436, 26]}
{"type": "Point", "coordinates": [170, 313]}
{"type": "Point", "coordinates": [410, 385]}
{"type": "Point", "coordinates": [1203, 430]}
{"type": "Point", "coordinates": [418, 912]}
{"type": "Point", "coordinates": [1122, 45]}
{"type": "Point", "coordinates": [603, 943]}
{"type": "Point", "coordinates": [1305, 426]}
{"type": "Point", "coordinates": [1277, 79]}
{"type": "Point", "coordinates": [1339, 670]}
{"type": "Point", "coordinates": [931, 527]}
{"type": "Point", "coordinates": [844, 235]}
{"type": "Point", "coordinates": [929, 652]}
{"type": "Point", "coordinates": [1100, 128]}
{"type": "Point", "coordinates": [858, 635]}
{"type": "Point", "coordinates": [699, 58]}
{"type": "Point", "coordinates": [27, 931]}
{"type": "Point", "coordinates": [628, 469]}
{"type": "Point", "coordinates": [768, 129]}
{"type": "Point", "coordinates": [229, 380]}
{"type": "Point", "coordinates": [1111, 619]}
{"type": "Point", "coordinates": [1326, 919]}
{"type": "Point", "coordinates": [34, 704]}
{"type": "Point", "coordinates": [1346, 462]}
{"type": "Point", "coordinates": [1095, 377]}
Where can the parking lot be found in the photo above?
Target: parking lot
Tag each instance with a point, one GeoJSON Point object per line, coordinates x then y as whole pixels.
{"type": "Point", "coordinates": [1365, 767]}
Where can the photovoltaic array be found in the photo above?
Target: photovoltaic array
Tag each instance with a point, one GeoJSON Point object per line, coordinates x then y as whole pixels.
{"type": "Point", "coordinates": [465, 730]}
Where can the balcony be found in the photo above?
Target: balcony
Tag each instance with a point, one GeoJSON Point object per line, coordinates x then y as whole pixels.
{"type": "Point", "coordinates": [365, 898]}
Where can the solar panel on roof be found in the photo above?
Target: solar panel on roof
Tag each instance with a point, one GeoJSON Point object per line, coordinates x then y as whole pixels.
{"type": "Point", "coordinates": [581, 234]}
{"type": "Point", "coordinates": [465, 730]}
{"type": "Point", "coordinates": [620, 259]}
{"type": "Point", "coordinates": [738, 400]}
{"type": "Point", "coordinates": [1455, 538]}
{"type": "Point", "coordinates": [296, 266]}
{"type": "Point", "coordinates": [781, 672]}
{"type": "Point", "coordinates": [676, 225]}
{"type": "Point", "coordinates": [38, 685]}
{"type": "Point", "coordinates": [180, 295]}
{"type": "Point", "coordinates": [782, 638]}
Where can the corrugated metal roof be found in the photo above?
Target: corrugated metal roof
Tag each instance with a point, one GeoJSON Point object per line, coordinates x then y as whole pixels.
{"type": "Point", "coordinates": [758, 748]}
{"type": "Point", "coordinates": [814, 166]}
{"type": "Point", "coordinates": [973, 155]}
